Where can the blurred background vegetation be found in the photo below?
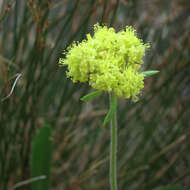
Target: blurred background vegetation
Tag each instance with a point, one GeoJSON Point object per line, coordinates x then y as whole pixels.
{"type": "Point", "coordinates": [154, 143]}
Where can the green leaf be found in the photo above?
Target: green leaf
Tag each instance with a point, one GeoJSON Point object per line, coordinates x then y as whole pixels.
{"type": "Point", "coordinates": [150, 73]}
{"type": "Point", "coordinates": [91, 95]}
{"type": "Point", "coordinates": [41, 156]}
{"type": "Point", "coordinates": [171, 188]}
{"type": "Point", "coordinates": [112, 110]}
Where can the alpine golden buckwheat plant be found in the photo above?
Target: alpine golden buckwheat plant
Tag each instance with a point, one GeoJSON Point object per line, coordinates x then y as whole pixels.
{"type": "Point", "coordinates": [109, 61]}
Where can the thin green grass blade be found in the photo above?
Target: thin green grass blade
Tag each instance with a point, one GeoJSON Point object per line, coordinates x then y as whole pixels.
{"type": "Point", "coordinates": [41, 158]}
{"type": "Point", "coordinates": [171, 188]}
{"type": "Point", "coordinates": [112, 110]}
{"type": "Point", "coordinates": [150, 73]}
{"type": "Point", "coordinates": [91, 95]}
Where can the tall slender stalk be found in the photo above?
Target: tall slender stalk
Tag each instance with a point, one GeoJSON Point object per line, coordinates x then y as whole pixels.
{"type": "Point", "coordinates": [113, 146]}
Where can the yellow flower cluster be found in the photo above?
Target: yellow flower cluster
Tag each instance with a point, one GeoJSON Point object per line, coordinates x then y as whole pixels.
{"type": "Point", "coordinates": [108, 61]}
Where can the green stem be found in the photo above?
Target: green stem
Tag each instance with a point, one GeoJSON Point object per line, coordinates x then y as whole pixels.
{"type": "Point", "coordinates": [113, 146]}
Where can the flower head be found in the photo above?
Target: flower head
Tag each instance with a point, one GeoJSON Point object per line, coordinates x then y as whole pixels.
{"type": "Point", "coordinates": [108, 61]}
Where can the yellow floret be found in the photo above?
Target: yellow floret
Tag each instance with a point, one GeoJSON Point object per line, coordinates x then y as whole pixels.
{"type": "Point", "coordinates": [108, 61]}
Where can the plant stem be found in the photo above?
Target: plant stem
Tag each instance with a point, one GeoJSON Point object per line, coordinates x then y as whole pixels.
{"type": "Point", "coordinates": [113, 146]}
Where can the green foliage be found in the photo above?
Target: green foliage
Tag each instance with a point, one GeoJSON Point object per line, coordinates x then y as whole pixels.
{"type": "Point", "coordinates": [41, 157]}
{"type": "Point", "coordinates": [149, 73]}
{"type": "Point", "coordinates": [112, 109]}
{"type": "Point", "coordinates": [92, 95]}
{"type": "Point", "coordinates": [171, 188]}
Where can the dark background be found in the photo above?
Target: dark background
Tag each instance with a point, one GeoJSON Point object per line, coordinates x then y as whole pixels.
{"type": "Point", "coordinates": [154, 143]}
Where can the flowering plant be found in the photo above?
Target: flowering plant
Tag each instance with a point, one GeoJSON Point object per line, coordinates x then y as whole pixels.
{"type": "Point", "coordinates": [110, 62]}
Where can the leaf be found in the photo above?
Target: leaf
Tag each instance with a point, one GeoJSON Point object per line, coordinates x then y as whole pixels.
{"type": "Point", "coordinates": [171, 188]}
{"type": "Point", "coordinates": [150, 73]}
{"type": "Point", "coordinates": [91, 95]}
{"type": "Point", "coordinates": [112, 110]}
{"type": "Point", "coordinates": [41, 158]}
